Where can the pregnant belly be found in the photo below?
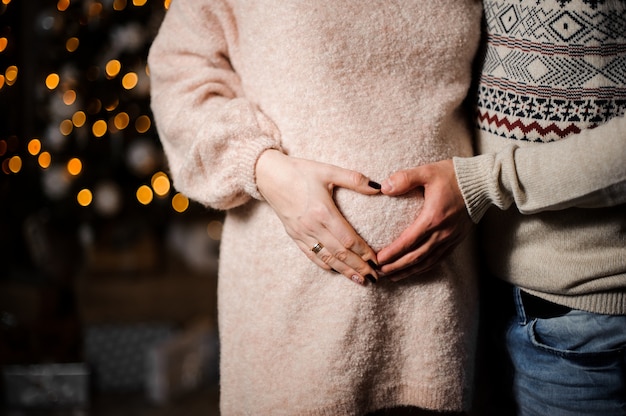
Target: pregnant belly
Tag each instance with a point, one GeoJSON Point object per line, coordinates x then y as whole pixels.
{"type": "Point", "coordinates": [379, 219]}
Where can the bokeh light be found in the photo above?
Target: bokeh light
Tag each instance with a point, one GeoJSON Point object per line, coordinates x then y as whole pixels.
{"type": "Point", "coordinates": [142, 124]}
{"type": "Point", "coordinates": [121, 120]}
{"type": "Point", "coordinates": [99, 128]}
{"type": "Point", "coordinates": [44, 160]}
{"type": "Point", "coordinates": [160, 183]}
{"type": "Point", "coordinates": [79, 118]}
{"type": "Point", "coordinates": [180, 202]}
{"type": "Point", "coordinates": [72, 44]}
{"type": "Point", "coordinates": [10, 75]}
{"type": "Point", "coordinates": [144, 194]}
{"type": "Point", "coordinates": [74, 166]}
{"type": "Point", "coordinates": [84, 197]}
{"type": "Point", "coordinates": [129, 81]}
{"type": "Point", "coordinates": [214, 230]}
{"type": "Point", "coordinates": [34, 147]}
{"type": "Point", "coordinates": [66, 127]}
{"type": "Point", "coordinates": [113, 68]}
{"type": "Point", "coordinates": [15, 164]}
{"type": "Point", "coordinates": [52, 81]}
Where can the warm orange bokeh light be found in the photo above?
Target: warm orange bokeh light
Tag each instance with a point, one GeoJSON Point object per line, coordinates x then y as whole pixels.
{"type": "Point", "coordinates": [52, 81]}
{"type": "Point", "coordinates": [44, 160]}
{"type": "Point", "coordinates": [84, 197]}
{"type": "Point", "coordinates": [74, 166]}
{"type": "Point", "coordinates": [99, 128]}
{"type": "Point", "coordinates": [34, 147]}
{"type": "Point", "coordinates": [66, 127]}
{"type": "Point", "coordinates": [160, 184]}
{"type": "Point", "coordinates": [144, 194]}
{"type": "Point", "coordinates": [113, 68]}
{"type": "Point", "coordinates": [180, 202]}
{"type": "Point", "coordinates": [79, 118]}
{"type": "Point", "coordinates": [69, 97]}
{"type": "Point", "coordinates": [121, 121]}
{"type": "Point", "coordinates": [15, 164]}
{"type": "Point", "coordinates": [129, 81]}
{"type": "Point", "coordinates": [142, 124]}
{"type": "Point", "coordinates": [72, 44]}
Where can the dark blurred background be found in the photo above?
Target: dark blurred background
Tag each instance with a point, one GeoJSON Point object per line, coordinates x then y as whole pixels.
{"type": "Point", "coordinates": [107, 273]}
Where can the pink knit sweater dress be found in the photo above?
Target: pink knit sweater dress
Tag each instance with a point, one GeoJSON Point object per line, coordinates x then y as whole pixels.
{"type": "Point", "coordinates": [373, 86]}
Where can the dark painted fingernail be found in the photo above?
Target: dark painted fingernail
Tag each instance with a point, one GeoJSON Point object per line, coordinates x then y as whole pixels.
{"type": "Point", "coordinates": [372, 264]}
{"type": "Point", "coordinates": [374, 185]}
{"type": "Point", "coordinates": [370, 278]}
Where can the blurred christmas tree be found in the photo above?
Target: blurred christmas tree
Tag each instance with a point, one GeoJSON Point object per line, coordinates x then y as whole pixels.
{"type": "Point", "coordinates": [83, 180]}
{"type": "Point", "coordinates": [78, 149]}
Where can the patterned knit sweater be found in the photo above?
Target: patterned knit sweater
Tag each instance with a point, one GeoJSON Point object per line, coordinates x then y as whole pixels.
{"type": "Point", "coordinates": [374, 86]}
{"type": "Point", "coordinates": [552, 138]}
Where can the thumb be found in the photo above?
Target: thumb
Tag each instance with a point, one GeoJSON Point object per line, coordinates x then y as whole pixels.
{"type": "Point", "coordinates": [402, 182]}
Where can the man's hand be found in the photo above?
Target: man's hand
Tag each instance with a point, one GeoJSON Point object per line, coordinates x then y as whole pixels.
{"type": "Point", "coordinates": [440, 226]}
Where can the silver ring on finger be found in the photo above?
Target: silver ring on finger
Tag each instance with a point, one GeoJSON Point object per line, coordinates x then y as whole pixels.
{"type": "Point", "coordinates": [317, 247]}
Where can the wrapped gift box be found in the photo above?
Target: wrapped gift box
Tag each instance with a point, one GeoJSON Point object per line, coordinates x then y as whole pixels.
{"type": "Point", "coordinates": [46, 385]}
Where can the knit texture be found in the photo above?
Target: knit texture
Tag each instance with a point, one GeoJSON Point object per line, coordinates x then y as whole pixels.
{"type": "Point", "coordinates": [552, 141]}
{"type": "Point", "coordinates": [373, 86]}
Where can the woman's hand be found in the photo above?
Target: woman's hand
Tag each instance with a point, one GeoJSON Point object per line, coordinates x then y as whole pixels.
{"type": "Point", "coordinates": [301, 193]}
{"type": "Point", "coordinates": [440, 226]}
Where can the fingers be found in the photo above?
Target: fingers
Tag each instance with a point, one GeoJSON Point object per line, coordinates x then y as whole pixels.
{"type": "Point", "coordinates": [352, 180]}
{"type": "Point", "coordinates": [403, 181]}
{"type": "Point", "coordinates": [336, 258]}
{"type": "Point", "coordinates": [421, 260]}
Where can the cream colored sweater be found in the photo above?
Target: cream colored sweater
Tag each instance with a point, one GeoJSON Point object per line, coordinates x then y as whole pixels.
{"type": "Point", "coordinates": [373, 86]}
{"type": "Point", "coordinates": [552, 138]}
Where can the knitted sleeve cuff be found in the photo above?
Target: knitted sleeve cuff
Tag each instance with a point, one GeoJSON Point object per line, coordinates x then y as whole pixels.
{"type": "Point", "coordinates": [474, 176]}
{"type": "Point", "coordinates": [247, 163]}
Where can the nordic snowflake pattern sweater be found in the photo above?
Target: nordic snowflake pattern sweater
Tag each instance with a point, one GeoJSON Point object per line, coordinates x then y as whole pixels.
{"type": "Point", "coordinates": [552, 138]}
{"type": "Point", "coordinates": [374, 86]}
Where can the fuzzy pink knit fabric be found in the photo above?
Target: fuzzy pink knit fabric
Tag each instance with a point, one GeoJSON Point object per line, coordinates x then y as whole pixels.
{"type": "Point", "coordinates": [372, 86]}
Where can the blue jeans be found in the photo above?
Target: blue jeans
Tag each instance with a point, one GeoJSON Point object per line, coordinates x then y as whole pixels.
{"type": "Point", "coordinates": [570, 364]}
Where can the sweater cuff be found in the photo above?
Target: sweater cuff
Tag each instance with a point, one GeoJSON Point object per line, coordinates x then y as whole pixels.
{"type": "Point", "coordinates": [473, 176]}
{"type": "Point", "coordinates": [249, 157]}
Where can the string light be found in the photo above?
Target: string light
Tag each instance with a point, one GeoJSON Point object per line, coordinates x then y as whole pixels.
{"type": "Point", "coordinates": [214, 230]}
{"type": "Point", "coordinates": [180, 203]}
{"type": "Point", "coordinates": [10, 75]}
{"type": "Point", "coordinates": [112, 68]}
{"type": "Point", "coordinates": [74, 166]}
{"type": "Point", "coordinates": [34, 147]}
{"type": "Point", "coordinates": [66, 127]}
{"type": "Point", "coordinates": [142, 124]}
{"type": "Point", "coordinates": [84, 197]}
{"type": "Point", "coordinates": [99, 128]}
{"type": "Point", "coordinates": [129, 81]}
{"type": "Point", "coordinates": [62, 5]}
{"type": "Point", "coordinates": [72, 44]}
{"type": "Point", "coordinates": [119, 5]}
{"type": "Point", "coordinates": [121, 120]}
{"type": "Point", "coordinates": [15, 164]}
{"type": "Point", "coordinates": [44, 160]}
{"type": "Point", "coordinates": [64, 130]}
{"type": "Point", "coordinates": [79, 118]}
{"type": "Point", "coordinates": [69, 97]}
{"type": "Point", "coordinates": [144, 194]}
{"type": "Point", "coordinates": [52, 81]}
{"type": "Point", "coordinates": [160, 183]}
